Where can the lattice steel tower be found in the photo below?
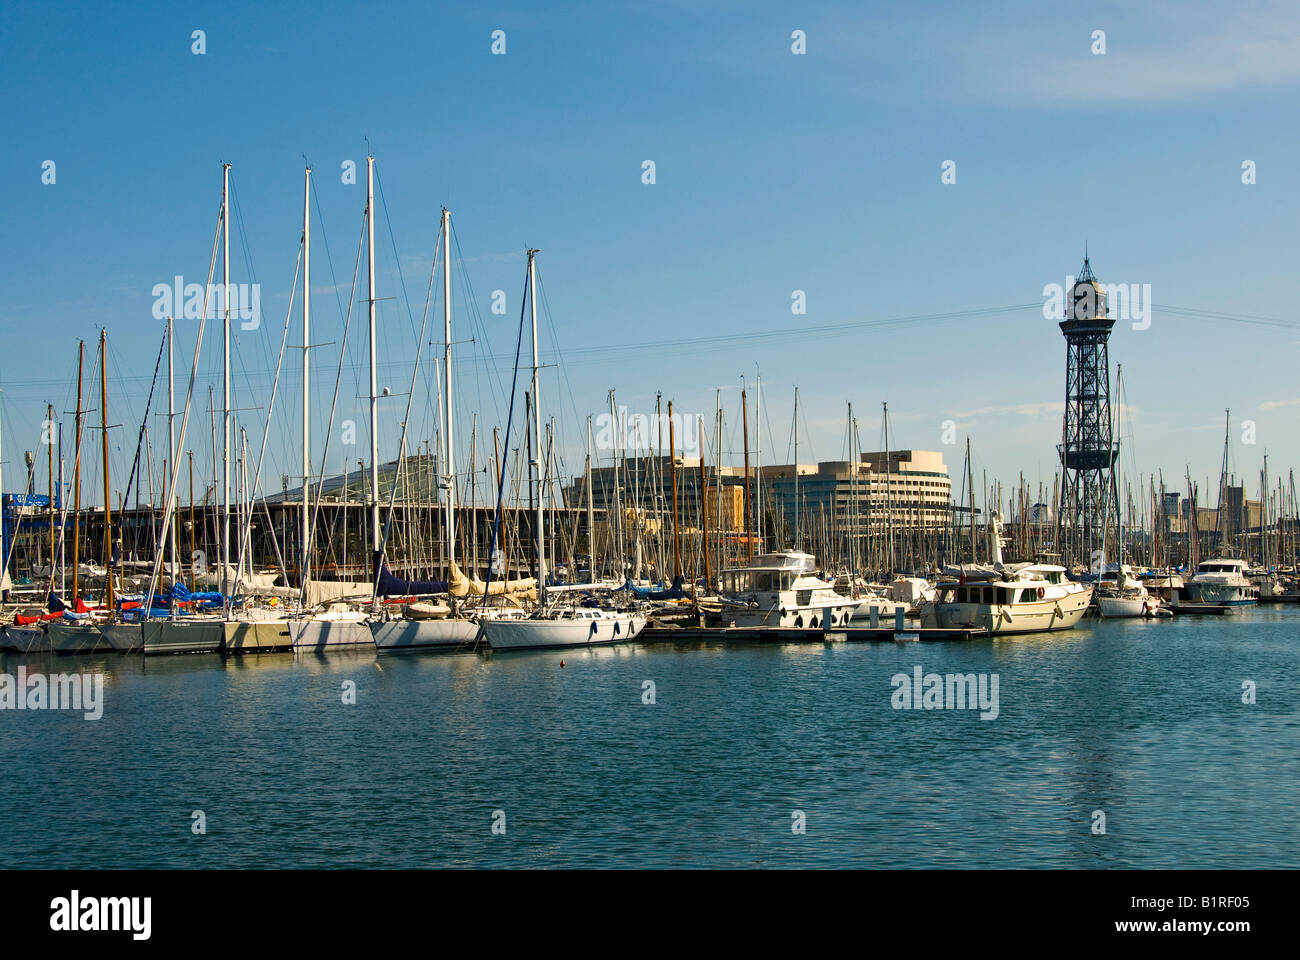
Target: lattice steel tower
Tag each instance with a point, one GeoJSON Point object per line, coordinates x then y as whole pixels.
{"type": "Point", "coordinates": [1089, 502]}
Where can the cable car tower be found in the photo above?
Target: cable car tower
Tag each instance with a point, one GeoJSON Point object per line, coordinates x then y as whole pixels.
{"type": "Point", "coordinates": [1089, 501]}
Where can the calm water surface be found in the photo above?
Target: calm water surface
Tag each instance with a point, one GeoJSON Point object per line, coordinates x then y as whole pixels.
{"type": "Point", "coordinates": [1143, 721]}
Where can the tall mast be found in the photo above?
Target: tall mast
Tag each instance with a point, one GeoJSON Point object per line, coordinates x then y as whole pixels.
{"type": "Point", "coordinates": [704, 515]}
{"type": "Point", "coordinates": [171, 440]}
{"type": "Point", "coordinates": [374, 398]}
{"type": "Point", "coordinates": [749, 530]}
{"type": "Point", "coordinates": [76, 478]}
{"type": "Point", "coordinates": [225, 369]}
{"type": "Point", "coordinates": [591, 512]}
{"type": "Point", "coordinates": [1219, 524]}
{"type": "Point", "coordinates": [448, 458]}
{"type": "Point", "coordinates": [672, 460]}
{"type": "Point", "coordinates": [970, 483]}
{"type": "Point", "coordinates": [717, 457]}
{"type": "Point", "coordinates": [796, 469]}
{"type": "Point", "coordinates": [536, 452]}
{"type": "Point", "coordinates": [193, 583]}
{"type": "Point", "coordinates": [617, 518]}
{"type": "Point", "coordinates": [758, 460]}
{"type": "Point", "coordinates": [889, 496]}
{"type": "Point", "coordinates": [658, 483]}
{"type": "Point", "coordinates": [473, 493]}
{"type": "Point", "coordinates": [49, 453]}
{"type": "Point", "coordinates": [108, 505]}
{"type": "Point", "coordinates": [305, 532]}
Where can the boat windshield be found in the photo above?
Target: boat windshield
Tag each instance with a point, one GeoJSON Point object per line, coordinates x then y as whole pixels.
{"type": "Point", "coordinates": [757, 581]}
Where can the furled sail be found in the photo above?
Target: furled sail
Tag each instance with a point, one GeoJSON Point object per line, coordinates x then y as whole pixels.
{"type": "Point", "coordinates": [462, 585]}
{"type": "Point", "coordinates": [391, 586]}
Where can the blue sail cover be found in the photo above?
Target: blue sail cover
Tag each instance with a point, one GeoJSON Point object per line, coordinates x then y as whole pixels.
{"type": "Point", "coordinates": [204, 599]}
{"type": "Point", "coordinates": [675, 592]}
{"type": "Point", "coordinates": [391, 586]}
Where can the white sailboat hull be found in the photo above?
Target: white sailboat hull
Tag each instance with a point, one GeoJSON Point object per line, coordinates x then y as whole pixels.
{"type": "Point", "coordinates": [559, 633]}
{"type": "Point", "coordinates": [403, 634]}
{"type": "Point", "coordinates": [313, 634]}
{"type": "Point", "coordinates": [1116, 607]}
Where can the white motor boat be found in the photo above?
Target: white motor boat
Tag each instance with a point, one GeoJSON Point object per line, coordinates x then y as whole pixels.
{"type": "Point", "coordinates": [1223, 582]}
{"type": "Point", "coordinates": [1031, 598]}
{"type": "Point", "coordinates": [568, 627]}
{"type": "Point", "coordinates": [782, 590]}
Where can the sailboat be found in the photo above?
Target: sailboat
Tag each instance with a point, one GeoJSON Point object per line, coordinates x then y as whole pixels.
{"type": "Point", "coordinates": [556, 626]}
{"type": "Point", "coordinates": [428, 625]}
{"type": "Point", "coordinates": [437, 625]}
{"type": "Point", "coordinates": [164, 631]}
{"type": "Point", "coordinates": [79, 630]}
{"type": "Point", "coordinates": [339, 624]}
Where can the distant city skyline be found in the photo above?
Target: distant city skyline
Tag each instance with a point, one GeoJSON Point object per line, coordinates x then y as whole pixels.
{"type": "Point", "coordinates": [869, 204]}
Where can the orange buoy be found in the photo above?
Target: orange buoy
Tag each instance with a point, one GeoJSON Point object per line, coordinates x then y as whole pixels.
{"type": "Point", "coordinates": [561, 663]}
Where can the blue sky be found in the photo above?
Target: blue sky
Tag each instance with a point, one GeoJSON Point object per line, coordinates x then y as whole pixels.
{"type": "Point", "coordinates": [775, 172]}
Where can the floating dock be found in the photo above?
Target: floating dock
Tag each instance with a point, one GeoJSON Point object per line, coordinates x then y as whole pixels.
{"type": "Point", "coordinates": [1206, 609]}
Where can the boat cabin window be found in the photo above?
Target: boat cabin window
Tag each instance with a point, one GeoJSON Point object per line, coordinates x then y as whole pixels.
{"type": "Point", "coordinates": [988, 594]}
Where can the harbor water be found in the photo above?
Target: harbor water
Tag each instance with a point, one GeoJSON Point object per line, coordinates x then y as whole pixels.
{"type": "Point", "coordinates": [663, 755]}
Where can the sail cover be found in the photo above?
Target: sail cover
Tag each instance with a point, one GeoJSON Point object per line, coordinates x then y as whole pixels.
{"type": "Point", "coordinates": [391, 586]}
{"type": "Point", "coordinates": [675, 592]}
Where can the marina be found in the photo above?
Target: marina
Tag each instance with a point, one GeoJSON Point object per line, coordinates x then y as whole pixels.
{"type": "Point", "coordinates": [648, 437]}
{"type": "Point", "coordinates": [887, 549]}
